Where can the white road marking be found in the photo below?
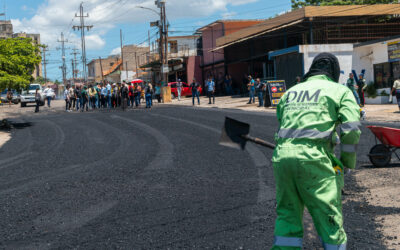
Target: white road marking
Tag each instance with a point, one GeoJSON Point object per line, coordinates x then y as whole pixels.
{"type": "Point", "coordinates": [164, 157]}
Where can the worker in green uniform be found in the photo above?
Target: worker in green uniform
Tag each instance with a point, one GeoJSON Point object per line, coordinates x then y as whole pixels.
{"type": "Point", "coordinates": [353, 86]}
{"type": "Point", "coordinates": [306, 171]}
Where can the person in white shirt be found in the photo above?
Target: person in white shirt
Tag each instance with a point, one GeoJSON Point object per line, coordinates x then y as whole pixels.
{"type": "Point", "coordinates": [396, 91]}
{"type": "Point", "coordinates": [66, 98]}
{"type": "Point", "coordinates": [179, 88]}
{"type": "Point", "coordinates": [49, 92]}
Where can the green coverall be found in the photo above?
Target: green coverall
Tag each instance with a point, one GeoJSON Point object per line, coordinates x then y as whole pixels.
{"type": "Point", "coordinates": [304, 161]}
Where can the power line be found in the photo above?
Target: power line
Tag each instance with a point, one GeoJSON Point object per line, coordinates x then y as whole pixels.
{"type": "Point", "coordinates": [45, 62]}
{"type": "Point", "coordinates": [74, 64]}
{"type": "Point", "coordinates": [64, 66]}
{"type": "Point", "coordinates": [82, 28]}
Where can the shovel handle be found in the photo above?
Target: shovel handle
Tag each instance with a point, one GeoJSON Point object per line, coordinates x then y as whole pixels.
{"type": "Point", "coordinates": [259, 141]}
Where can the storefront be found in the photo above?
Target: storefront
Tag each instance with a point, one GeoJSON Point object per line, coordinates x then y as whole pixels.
{"type": "Point", "coordinates": [381, 61]}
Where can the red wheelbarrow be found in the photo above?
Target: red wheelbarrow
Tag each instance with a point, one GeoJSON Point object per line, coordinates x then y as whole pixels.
{"type": "Point", "coordinates": [380, 155]}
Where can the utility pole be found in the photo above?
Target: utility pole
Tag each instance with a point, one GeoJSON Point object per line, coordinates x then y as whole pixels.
{"type": "Point", "coordinates": [148, 58]}
{"type": "Point", "coordinates": [163, 39]}
{"type": "Point", "coordinates": [44, 50]}
{"type": "Point", "coordinates": [101, 69]}
{"type": "Point", "coordinates": [64, 66]}
{"type": "Point", "coordinates": [126, 67]}
{"type": "Point", "coordinates": [136, 63]}
{"type": "Point", "coordinates": [82, 28]}
{"type": "Point", "coordinates": [75, 68]}
{"type": "Point", "coordinates": [122, 56]}
{"type": "Point", "coordinates": [73, 71]}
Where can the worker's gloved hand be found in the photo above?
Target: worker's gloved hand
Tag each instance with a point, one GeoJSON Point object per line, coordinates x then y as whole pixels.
{"type": "Point", "coordinates": [347, 170]}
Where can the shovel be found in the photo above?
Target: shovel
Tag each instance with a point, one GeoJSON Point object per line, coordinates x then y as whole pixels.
{"type": "Point", "coordinates": [235, 134]}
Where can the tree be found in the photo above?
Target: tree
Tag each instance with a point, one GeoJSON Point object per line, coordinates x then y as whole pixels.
{"type": "Point", "coordinates": [299, 3]}
{"type": "Point", "coordinates": [18, 59]}
{"type": "Point", "coordinates": [39, 80]}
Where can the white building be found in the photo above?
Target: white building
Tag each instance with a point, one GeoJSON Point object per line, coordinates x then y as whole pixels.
{"type": "Point", "coordinates": [182, 46]}
{"type": "Point", "coordinates": [373, 57]}
{"type": "Point", "coordinates": [296, 61]}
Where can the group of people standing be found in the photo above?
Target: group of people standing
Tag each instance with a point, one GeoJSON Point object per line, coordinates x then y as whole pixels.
{"type": "Point", "coordinates": [102, 96]}
{"type": "Point", "coordinates": [357, 87]}
{"type": "Point", "coordinates": [256, 87]}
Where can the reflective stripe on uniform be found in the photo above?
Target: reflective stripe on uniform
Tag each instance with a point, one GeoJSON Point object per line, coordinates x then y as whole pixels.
{"type": "Point", "coordinates": [335, 247]}
{"type": "Point", "coordinates": [350, 126]}
{"type": "Point", "coordinates": [304, 133]}
{"type": "Point", "coordinates": [348, 148]}
{"type": "Point", "coordinates": [288, 241]}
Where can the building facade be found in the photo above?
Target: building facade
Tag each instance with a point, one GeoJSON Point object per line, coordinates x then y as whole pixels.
{"type": "Point", "coordinates": [36, 40]}
{"type": "Point", "coordinates": [248, 51]}
{"type": "Point", "coordinates": [380, 60]}
{"type": "Point", "coordinates": [6, 31]}
{"type": "Point", "coordinates": [96, 70]}
{"type": "Point", "coordinates": [134, 56]}
{"type": "Point", "coordinates": [183, 60]}
{"type": "Point", "coordinates": [213, 62]}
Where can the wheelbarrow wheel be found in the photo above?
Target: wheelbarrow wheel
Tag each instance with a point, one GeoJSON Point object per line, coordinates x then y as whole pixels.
{"type": "Point", "coordinates": [380, 155]}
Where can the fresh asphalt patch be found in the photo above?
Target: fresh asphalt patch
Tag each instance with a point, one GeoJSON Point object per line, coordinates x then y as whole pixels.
{"type": "Point", "coordinates": [154, 179]}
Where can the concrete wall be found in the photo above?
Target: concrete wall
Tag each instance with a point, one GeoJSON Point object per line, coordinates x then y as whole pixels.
{"type": "Point", "coordinates": [6, 29]}
{"type": "Point", "coordinates": [94, 69]}
{"type": "Point", "coordinates": [364, 57]}
{"type": "Point", "coordinates": [210, 36]}
{"type": "Point", "coordinates": [193, 69]}
{"type": "Point", "coordinates": [344, 52]}
{"type": "Point", "coordinates": [131, 76]}
{"type": "Point", "coordinates": [130, 51]}
{"type": "Point", "coordinates": [187, 46]}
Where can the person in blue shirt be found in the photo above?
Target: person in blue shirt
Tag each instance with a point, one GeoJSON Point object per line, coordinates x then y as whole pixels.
{"type": "Point", "coordinates": [210, 85]}
{"type": "Point", "coordinates": [252, 90]}
{"type": "Point", "coordinates": [103, 97]}
{"type": "Point", "coordinates": [195, 91]}
{"type": "Point", "coordinates": [158, 92]}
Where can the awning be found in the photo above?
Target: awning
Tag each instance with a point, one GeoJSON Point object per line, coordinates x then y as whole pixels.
{"type": "Point", "coordinates": [256, 35]}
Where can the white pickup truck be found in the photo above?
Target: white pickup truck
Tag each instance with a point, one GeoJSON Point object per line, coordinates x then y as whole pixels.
{"type": "Point", "coordinates": [29, 95]}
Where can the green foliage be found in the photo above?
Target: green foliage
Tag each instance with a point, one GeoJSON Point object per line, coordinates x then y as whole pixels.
{"type": "Point", "coordinates": [371, 90]}
{"type": "Point", "coordinates": [301, 3]}
{"type": "Point", "coordinates": [39, 80]}
{"type": "Point", "coordinates": [18, 58]}
{"type": "Point", "coordinates": [383, 93]}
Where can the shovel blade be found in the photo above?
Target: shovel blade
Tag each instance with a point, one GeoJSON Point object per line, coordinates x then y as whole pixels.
{"type": "Point", "coordinates": [233, 132]}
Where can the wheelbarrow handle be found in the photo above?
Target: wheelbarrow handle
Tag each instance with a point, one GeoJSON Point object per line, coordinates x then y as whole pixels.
{"type": "Point", "coordinates": [259, 141]}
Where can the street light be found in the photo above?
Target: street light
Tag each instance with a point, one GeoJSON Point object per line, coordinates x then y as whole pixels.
{"type": "Point", "coordinates": [145, 8]}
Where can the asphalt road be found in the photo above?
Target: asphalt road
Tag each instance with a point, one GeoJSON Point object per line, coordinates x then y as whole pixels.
{"type": "Point", "coordinates": [141, 179]}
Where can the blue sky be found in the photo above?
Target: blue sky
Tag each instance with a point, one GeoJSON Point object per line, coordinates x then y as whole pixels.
{"type": "Point", "coordinates": [51, 17]}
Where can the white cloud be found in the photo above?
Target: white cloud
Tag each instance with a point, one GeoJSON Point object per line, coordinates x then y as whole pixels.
{"type": "Point", "coordinates": [116, 51]}
{"type": "Point", "coordinates": [228, 15]}
{"type": "Point", "coordinates": [94, 42]}
{"type": "Point", "coordinates": [54, 16]}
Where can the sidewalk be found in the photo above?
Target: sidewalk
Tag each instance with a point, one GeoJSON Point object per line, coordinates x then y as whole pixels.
{"type": "Point", "coordinates": [374, 113]}
{"type": "Point", "coordinates": [15, 111]}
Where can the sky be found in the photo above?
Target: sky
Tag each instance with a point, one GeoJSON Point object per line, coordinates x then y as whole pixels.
{"type": "Point", "coordinates": [51, 17]}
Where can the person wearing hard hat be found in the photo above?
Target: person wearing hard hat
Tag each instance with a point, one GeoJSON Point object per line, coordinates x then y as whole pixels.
{"type": "Point", "coordinates": [306, 171]}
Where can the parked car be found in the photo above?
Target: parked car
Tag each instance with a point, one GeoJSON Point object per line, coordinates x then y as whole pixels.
{"type": "Point", "coordinates": [15, 98]}
{"type": "Point", "coordinates": [28, 96]}
{"type": "Point", "coordinates": [186, 90]}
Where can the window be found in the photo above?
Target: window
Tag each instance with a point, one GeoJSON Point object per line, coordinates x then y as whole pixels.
{"type": "Point", "coordinates": [382, 75]}
{"type": "Point", "coordinates": [396, 70]}
{"type": "Point", "coordinates": [173, 47]}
